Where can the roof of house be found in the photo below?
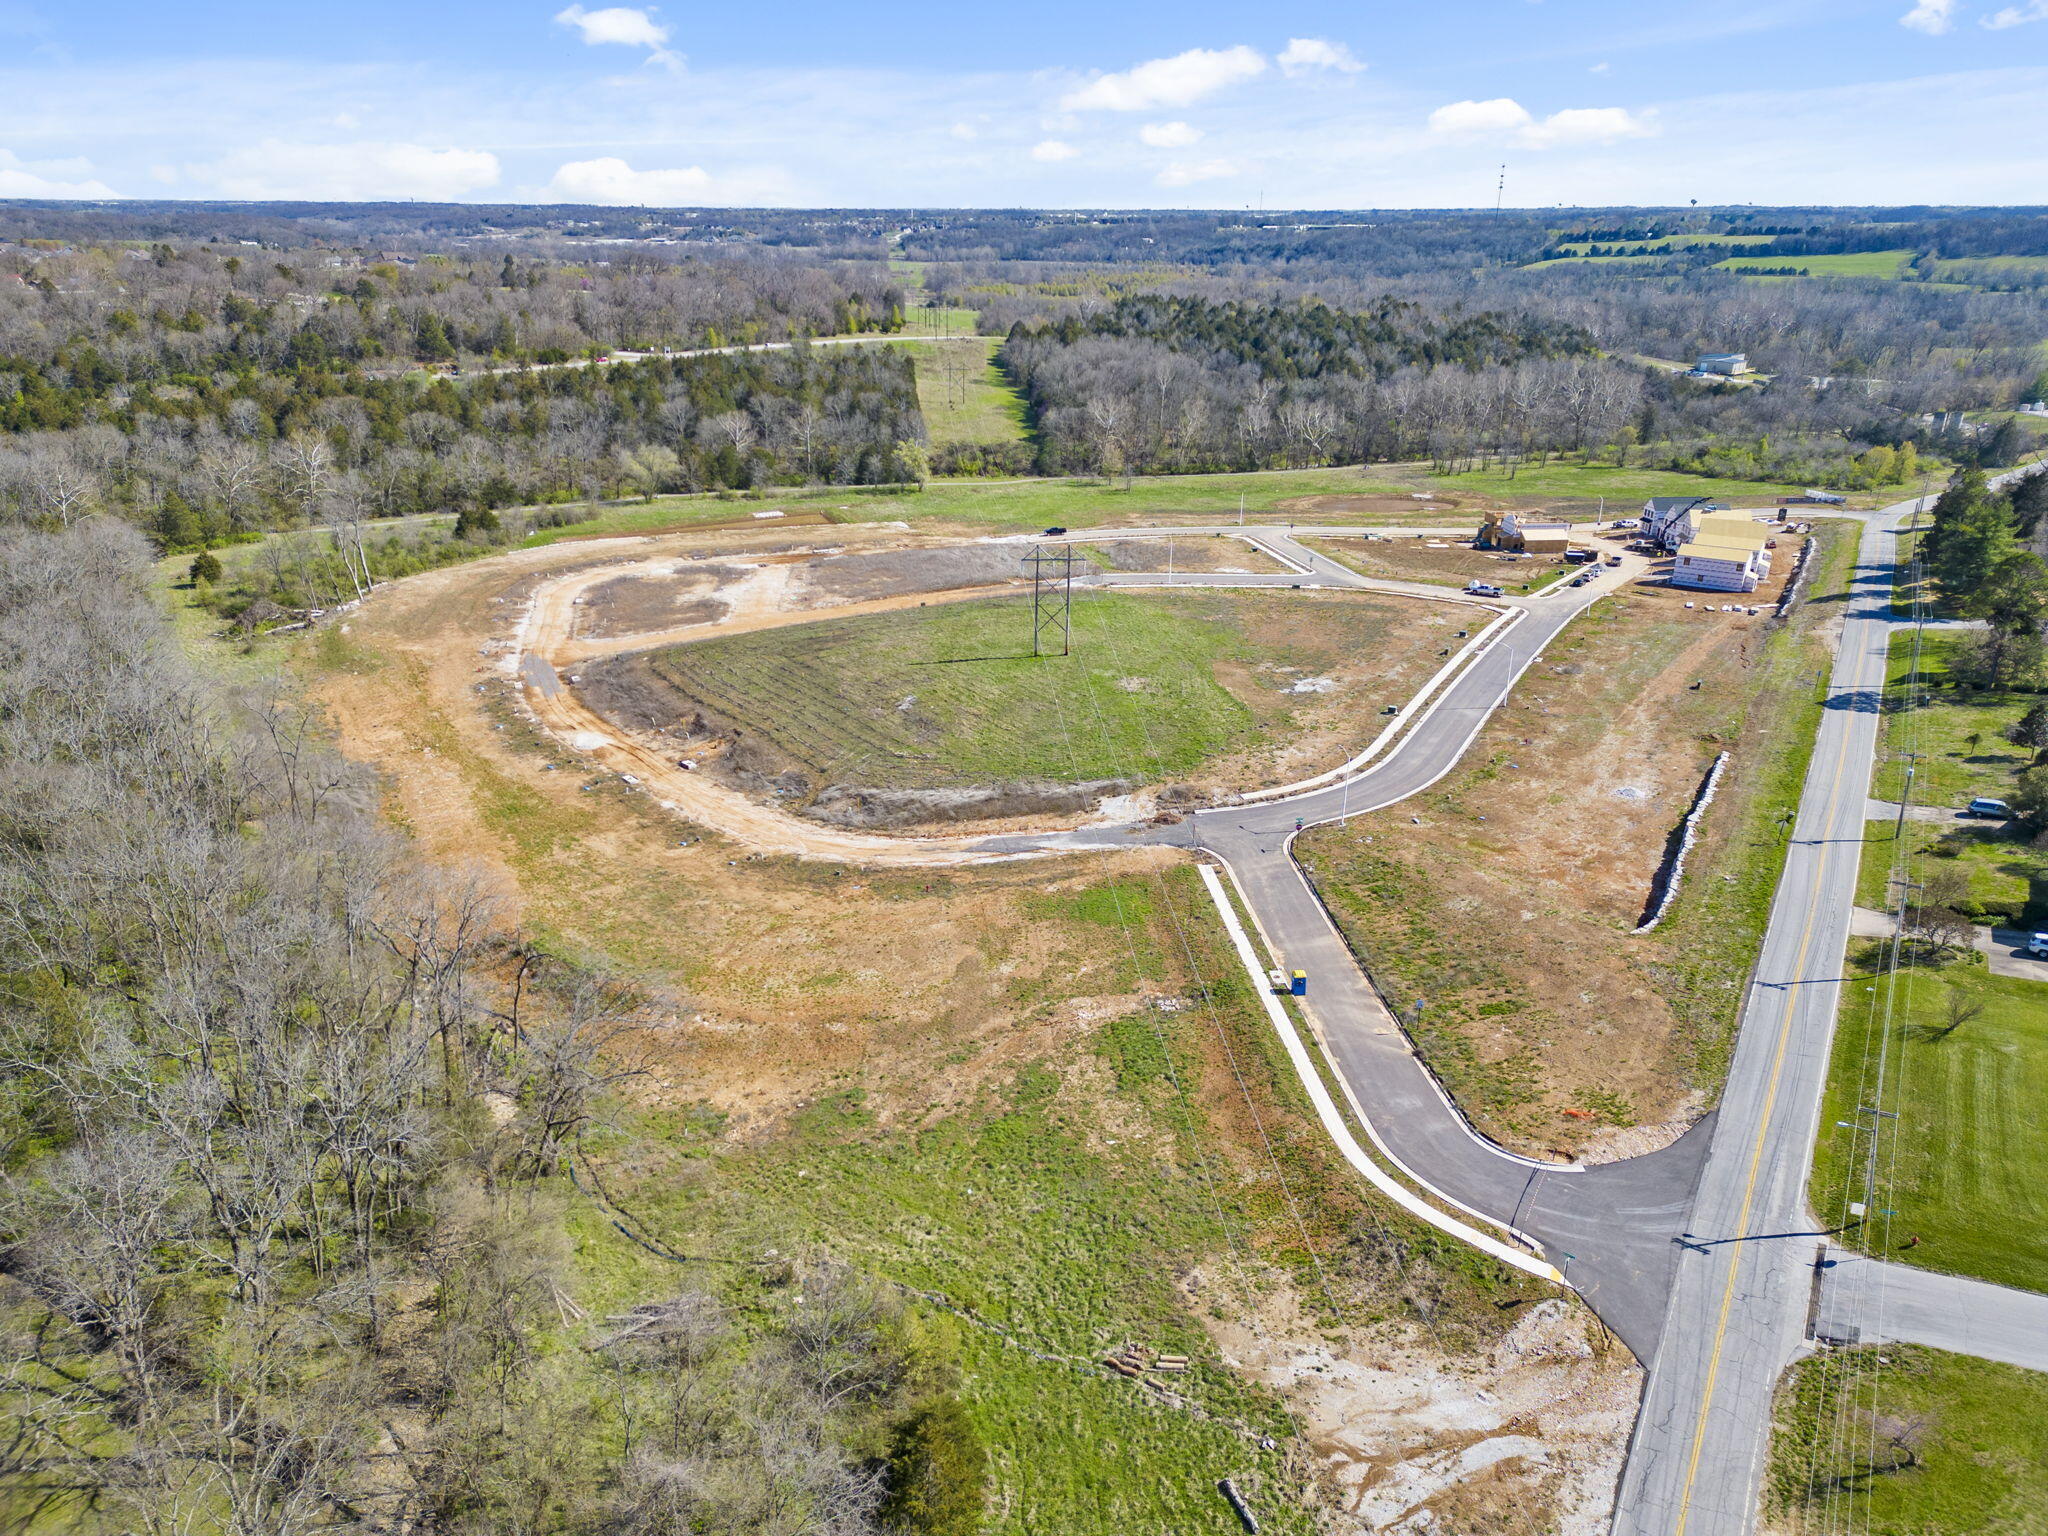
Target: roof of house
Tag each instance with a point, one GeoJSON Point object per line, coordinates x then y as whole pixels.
{"type": "Point", "coordinates": [1731, 530]}
{"type": "Point", "coordinates": [1679, 503]}
{"type": "Point", "coordinates": [1731, 554]}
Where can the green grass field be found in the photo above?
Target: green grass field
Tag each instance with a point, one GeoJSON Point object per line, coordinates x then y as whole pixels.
{"type": "Point", "coordinates": [1959, 736]}
{"type": "Point", "coordinates": [1963, 1168]}
{"type": "Point", "coordinates": [964, 396]}
{"type": "Point", "coordinates": [1014, 1209]}
{"type": "Point", "coordinates": [1668, 242]}
{"type": "Point", "coordinates": [2008, 878]}
{"type": "Point", "coordinates": [1015, 505]}
{"type": "Point", "coordinates": [1622, 487]}
{"type": "Point", "coordinates": [948, 695]}
{"type": "Point", "coordinates": [1902, 1441]}
{"type": "Point", "coordinates": [1843, 264]}
{"type": "Point", "coordinates": [1980, 269]}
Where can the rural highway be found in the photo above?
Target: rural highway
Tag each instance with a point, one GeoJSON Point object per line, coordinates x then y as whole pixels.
{"type": "Point", "coordinates": [1701, 1257]}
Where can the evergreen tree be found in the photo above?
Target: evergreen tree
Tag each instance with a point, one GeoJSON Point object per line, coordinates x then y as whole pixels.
{"type": "Point", "coordinates": [479, 523]}
{"type": "Point", "coordinates": [1971, 538]}
{"type": "Point", "coordinates": [938, 1471]}
{"type": "Point", "coordinates": [2031, 730]}
{"type": "Point", "coordinates": [206, 568]}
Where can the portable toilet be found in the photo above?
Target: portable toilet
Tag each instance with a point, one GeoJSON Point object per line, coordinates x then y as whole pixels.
{"type": "Point", "coordinates": [1300, 985]}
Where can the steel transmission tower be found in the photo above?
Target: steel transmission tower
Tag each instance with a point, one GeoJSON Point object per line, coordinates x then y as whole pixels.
{"type": "Point", "coordinates": [1052, 597]}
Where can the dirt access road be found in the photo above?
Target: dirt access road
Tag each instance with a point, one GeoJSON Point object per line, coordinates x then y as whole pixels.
{"type": "Point", "coordinates": [548, 647]}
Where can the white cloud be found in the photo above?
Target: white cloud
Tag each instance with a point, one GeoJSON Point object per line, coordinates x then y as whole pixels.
{"type": "Point", "coordinates": [1587, 125]}
{"type": "Point", "coordinates": [1052, 151]}
{"type": "Point", "coordinates": [621, 25]}
{"type": "Point", "coordinates": [348, 172]}
{"type": "Point", "coordinates": [1303, 54]}
{"type": "Point", "coordinates": [1574, 125]}
{"type": "Point", "coordinates": [1598, 69]}
{"type": "Point", "coordinates": [2016, 15]}
{"type": "Point", "coordinates": [611, 180]}
{"type": "Point", "coordinates": [1933, 17]}
{"type": "Point", "coordinates": [1169, 135]}
{"type": "Point", "coordinates": [40, 178]}
{"type": "Point", "coordinates": [1179, 175]}
{"type": "Point", "coordinates": [964, 131]}
{"type": "Point", "coordinates": [1499, 115]}
{"type": "Point", "coordinates": [1176, 82]}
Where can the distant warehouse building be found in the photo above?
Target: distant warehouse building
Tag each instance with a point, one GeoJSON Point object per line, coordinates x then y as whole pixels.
{"type": "Point", "coordinates": [1729, 365]}
{"type": "Point", "coordinates": [1724, 554]}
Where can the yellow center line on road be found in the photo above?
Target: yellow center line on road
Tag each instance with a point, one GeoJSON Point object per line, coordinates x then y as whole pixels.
{"type": "Point", "coordinates": [1756, 1158]}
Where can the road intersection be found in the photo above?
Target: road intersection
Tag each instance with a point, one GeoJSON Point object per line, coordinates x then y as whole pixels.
{"type": "Point", "coordinates": [1702, 1257]}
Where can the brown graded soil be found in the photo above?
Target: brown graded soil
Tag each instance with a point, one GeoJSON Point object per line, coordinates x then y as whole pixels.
{"type": "Point", "coordinates": [777, 982]}
{"type": "Point", "coordinates": [1451, 564]}
{"type": "Point", "coordinates": [1513, 883]}
{"type": "Point", "coordinates": [1210, 553]}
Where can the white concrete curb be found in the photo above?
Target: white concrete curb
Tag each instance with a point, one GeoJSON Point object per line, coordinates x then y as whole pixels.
{"type": "Point", "coordinates": [1332, 1118]}
{"type": "Point", "coordinates": [1400, 722]}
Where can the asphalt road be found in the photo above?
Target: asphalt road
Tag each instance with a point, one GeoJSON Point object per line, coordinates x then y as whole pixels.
{"type": "Point", "coordinates": [1608, 1228]}
{"type": "Point", "coordinates": [1702, 1257]}
{"type": "Point", "coordinates": [1746, 1280]}
{"type": "Point", "coordinates": [1861, 1301]}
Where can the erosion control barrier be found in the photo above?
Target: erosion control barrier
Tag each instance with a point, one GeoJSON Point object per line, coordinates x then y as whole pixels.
{"type": "Point", "coordinates": [1802, 573]}
{"type": "Point", "coordinates": [1664, 890]}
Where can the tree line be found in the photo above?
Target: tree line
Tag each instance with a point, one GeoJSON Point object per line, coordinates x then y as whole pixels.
{"type": "Point", "coordinates": [293, 1122]}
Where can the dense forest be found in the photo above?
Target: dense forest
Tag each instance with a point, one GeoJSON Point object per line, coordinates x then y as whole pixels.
{"type": "Point", "coordinates": [206, 370]}
{"type": "Point", "coordinates": [204, 394]}
{"type": "Point", "coordinates": [288, 1111]}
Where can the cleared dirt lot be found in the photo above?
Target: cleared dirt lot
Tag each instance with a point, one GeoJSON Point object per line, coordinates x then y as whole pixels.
{"type": "Point", "coordinates": [1203, 554]}
{"type": "Point", "coordinates": [1503, 898]}
{"type": "Point", "coordinates": [958, 1078]}
{"type": "Point", "coordinates": [1436, 560]}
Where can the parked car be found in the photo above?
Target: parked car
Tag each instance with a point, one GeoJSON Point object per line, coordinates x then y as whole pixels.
{"type": "Point", "coordinates": [2037, 946]}
{"type": "Point", "coordinates": [1482, 589]}
{"type": "Point", "coordinates": [1982, 806]}
{"type": "Point", "coordinates": [1626, 522]}
{"type": "Point", "coordinates": [1580, 556]}
{"type": "Point", "coordinates": [1614, 559]}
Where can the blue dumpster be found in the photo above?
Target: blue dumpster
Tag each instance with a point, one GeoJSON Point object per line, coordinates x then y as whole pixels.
{"type": "Point", "coordinates": [1299, 987]}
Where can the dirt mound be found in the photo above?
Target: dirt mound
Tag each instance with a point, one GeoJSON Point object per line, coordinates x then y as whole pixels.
{"type": "Point", "coordinates": [855, 805]}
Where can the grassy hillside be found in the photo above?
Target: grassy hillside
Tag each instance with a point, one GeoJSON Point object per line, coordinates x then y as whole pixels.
{"type": "Point", "coordinates": [931, 697]}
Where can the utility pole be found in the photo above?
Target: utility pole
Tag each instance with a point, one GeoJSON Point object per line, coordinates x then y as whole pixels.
{"type": "Point", "coordinates": [1052, 597]}
{"type": "Point", "coordinates": [1500, 191]}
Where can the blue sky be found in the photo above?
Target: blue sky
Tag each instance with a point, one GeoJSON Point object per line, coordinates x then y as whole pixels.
{"type": "Point", "coordinates": [1060, 103]}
